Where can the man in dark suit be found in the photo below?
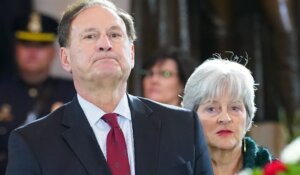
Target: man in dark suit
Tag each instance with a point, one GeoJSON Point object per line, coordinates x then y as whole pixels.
{"type": "Point", "coordinates": [104, 130]}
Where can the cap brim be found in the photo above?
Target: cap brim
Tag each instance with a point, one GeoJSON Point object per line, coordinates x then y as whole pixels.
{"type": "Point", "coordinates": [36, 37]}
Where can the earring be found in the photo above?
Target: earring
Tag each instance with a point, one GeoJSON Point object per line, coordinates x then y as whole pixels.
{"type": "Point", "coordinates": [245, 148]}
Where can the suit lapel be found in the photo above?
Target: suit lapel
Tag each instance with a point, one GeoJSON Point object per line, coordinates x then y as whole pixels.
{"type": "Point", "coordinates": [146, 132]}
{"type": "Point", "coordinates": [81, 139]}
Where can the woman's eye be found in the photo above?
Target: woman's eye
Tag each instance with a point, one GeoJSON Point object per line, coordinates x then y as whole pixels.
{"type": "Point", "coordinates": [210, 109]}
{"type": "Point", "coordinates": [236, 108]}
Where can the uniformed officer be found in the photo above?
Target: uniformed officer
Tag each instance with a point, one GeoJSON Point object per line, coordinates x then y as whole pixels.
{"type": "Point", "coordinates": [31, 93]}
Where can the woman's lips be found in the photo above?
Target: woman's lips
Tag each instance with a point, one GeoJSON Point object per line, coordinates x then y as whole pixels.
{"type": "Point", "coordinates": [224, 132]}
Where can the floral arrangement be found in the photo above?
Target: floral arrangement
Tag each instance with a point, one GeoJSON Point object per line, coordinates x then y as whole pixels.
{"type": "Point", "coordinates": [288, 164]}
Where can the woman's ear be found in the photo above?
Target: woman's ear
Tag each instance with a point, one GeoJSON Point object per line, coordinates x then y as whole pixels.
{"type": "Point", "coordinates": [249, 124]}
{"type": "Point", "coordinates": [65, 59]}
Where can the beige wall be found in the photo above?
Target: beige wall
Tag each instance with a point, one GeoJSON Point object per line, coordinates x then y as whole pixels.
{"type": "Point", "coordinates": [55, 8]}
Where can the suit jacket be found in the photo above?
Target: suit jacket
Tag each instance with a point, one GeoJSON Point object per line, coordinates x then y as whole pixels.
{"type": "Point", "coordinates": [167, 141]}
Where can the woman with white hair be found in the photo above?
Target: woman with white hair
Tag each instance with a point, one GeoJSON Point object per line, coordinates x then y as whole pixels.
{"type": "Point", "coordinates": [222, 93]}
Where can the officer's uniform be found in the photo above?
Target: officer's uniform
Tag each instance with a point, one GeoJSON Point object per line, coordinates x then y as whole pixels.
{"type": "Point", "coordinates": [21, 102]}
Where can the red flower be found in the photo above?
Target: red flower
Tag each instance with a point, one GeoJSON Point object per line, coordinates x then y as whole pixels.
{"type": "Point", "coordinates": [274, 167]}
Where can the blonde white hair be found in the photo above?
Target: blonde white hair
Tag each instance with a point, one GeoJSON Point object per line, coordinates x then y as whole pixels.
{"type": "Point", "coordinates": [217, 76]}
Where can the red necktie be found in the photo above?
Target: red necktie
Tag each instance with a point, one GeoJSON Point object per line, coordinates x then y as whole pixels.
{"type": "Point", "coordinates": [117, 157]}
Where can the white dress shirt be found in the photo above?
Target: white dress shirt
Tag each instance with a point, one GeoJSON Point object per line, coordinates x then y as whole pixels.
{"type": "Point", "coordinates": [101, 128]}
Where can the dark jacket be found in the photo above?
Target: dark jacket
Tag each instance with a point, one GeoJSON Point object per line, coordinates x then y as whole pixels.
{"type": "Point", "coordinates": [167, 141]}
{"type": "Point", "coordinates": [21, 103]}
{"type": "Point", "coordinates": [255, 156]}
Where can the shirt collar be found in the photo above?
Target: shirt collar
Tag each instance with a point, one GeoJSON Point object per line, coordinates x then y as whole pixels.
{"type": "Point", "coordinates": [94, 113]}
{"type": "Point", "coordinates": [123, 108]}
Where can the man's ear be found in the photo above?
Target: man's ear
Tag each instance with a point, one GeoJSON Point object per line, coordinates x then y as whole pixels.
{"type": "Point", "coordinates": [132, 55]}
{"type": "Point", "coordinates": [65, 59]}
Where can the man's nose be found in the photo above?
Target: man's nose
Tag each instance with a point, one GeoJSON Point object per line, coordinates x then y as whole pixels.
{"type": "Point", "coordinates": [104, 44]}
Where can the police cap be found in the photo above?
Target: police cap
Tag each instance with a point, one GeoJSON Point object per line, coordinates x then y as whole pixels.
{"type": "Point", "coordinates": [36, 27]}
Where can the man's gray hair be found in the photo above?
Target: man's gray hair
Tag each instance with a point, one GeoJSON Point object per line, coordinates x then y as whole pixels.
{"type": "Point", "coordinates": [76, 8]}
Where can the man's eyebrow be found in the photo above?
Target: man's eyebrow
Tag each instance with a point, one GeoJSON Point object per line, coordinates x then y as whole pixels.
{"type": "Point", "coordinates": [89, 30]}
{"type": "Point", "coordinates": [115, 28]}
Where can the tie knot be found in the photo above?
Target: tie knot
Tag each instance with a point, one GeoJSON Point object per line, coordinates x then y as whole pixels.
{"type": "Point", "coordinates": [111, 119]}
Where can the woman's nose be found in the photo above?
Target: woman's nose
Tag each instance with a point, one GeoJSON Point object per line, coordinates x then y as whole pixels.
{"type": "Point", "coordinates": [224, 118]}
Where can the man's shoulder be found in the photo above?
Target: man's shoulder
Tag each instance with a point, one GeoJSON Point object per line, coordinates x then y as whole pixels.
{"type": "Point", "coordinates": [164, 109]}
{"type": "Point", "coordinates": [50, 123]}
{"type": "Point", "coordinates": [161, 105]}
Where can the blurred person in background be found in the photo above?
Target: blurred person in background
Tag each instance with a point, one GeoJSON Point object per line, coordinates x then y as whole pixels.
{"type": "Point", "coordinates": [165, 74]}
{"type": "Point", "coordinates": [10, 10]}
{"type": "Point", "coordinates": [31, 93]}
{"type": "Point", "coordinates": [222, 93]}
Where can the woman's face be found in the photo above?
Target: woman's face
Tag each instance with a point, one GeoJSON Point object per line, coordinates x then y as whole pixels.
{"type": "Point", "coordinates": [162, 83]}
{"type": "Point", "coordinates": [224, 122]}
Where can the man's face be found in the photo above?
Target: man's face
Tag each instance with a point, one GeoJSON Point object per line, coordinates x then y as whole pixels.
{"type": "Point", "coordinates": [99, 50]}
{"type": "Point", "coordinates": [34, 58]}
